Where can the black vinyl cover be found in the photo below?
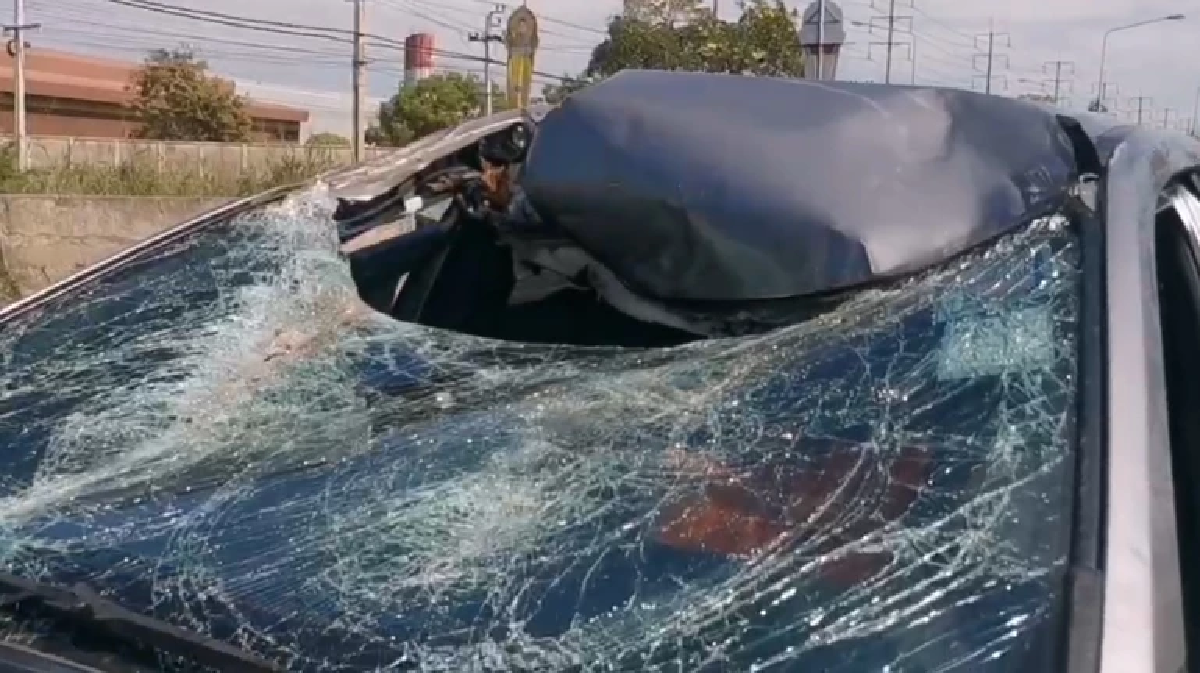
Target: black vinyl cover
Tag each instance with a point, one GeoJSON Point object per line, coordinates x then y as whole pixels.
{"type": "Point", "coordinates": [696, 186]}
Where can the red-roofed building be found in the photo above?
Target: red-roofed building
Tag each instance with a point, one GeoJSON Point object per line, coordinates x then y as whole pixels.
{"type": "Point", "coordinates": [85, 97]}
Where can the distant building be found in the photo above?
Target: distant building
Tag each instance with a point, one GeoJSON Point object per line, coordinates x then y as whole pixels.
{"type": "Point", "coordinates": [74, 95]}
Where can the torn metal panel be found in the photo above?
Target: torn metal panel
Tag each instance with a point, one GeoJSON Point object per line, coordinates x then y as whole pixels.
{"type": "Point", "coordinates": [693, 186]}
{"type": "Point", "coordinates": [372, 178]}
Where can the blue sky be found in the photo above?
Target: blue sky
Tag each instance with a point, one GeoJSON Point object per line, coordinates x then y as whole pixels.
{"type": "Point", "coordinates": [1159, 61]}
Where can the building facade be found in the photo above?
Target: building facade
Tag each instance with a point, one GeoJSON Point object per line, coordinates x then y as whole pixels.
{"type": "Point", "coordinates": [81, 96]}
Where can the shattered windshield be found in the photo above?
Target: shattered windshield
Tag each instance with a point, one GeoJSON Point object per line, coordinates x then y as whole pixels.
{"type": "Point", "coordinates": [220, 437]}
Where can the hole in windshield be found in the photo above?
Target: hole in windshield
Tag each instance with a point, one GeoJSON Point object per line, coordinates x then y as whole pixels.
{"type": "Point", "coordinates": [217, 436]}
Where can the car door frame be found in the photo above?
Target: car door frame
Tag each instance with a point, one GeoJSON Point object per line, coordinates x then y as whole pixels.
{"type": "Point", "coordinates": [1141, 626]}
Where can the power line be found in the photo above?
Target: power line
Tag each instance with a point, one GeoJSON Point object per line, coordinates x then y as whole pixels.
{"type": "Point", "coordinates": [324, 100]}
{"type": "Point", "coordinates": [296, 29]}
{"type": "Point", "coordinates": [438, 9]}
{"type": "Point", "coordinates": [1062, 69]}
{"type": "Point", "coordinates": [409, 8]}
{"type": "Point", "coordinates": [184, 36]}
{"type": "Point", "coordinates": [937, 51]}
{"type": "Point", "coordinates": [143, 39]}
{"type": "Point", "coordinates": [966, 40]}
{"type": "Point", "coordinates": [1142, 103]}
{"type": "Point", "coordinates": [17, 29]}
{"type": "Point", "coordinates": [940, 49]}
{"type": "Point", "coordinates": [491, 21]}
{"type": "Point", "coordinates": [992, 58]}
{"type": "Point", "coordinates": [359, 82]}
{"type": "Point", "coordinates": [221, 18]}
{"type": "Point", "coordinates": [889, 20]}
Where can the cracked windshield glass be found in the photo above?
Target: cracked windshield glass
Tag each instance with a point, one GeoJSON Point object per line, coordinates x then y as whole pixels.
{"type": "Point", "coordinates": [221, 436]}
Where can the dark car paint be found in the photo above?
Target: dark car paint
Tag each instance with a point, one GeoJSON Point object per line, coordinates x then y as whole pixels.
{"type": "Point", "coordinates": [844, 182]}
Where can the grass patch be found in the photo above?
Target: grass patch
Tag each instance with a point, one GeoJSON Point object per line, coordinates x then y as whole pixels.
{"type": "Point", "coordinates": [142, 177]}
{"type": "Point", "coordinates": [8, 287]}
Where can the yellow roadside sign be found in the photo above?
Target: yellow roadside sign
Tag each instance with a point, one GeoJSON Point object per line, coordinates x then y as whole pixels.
{"type": "Point", "coordinates": [521, 39]}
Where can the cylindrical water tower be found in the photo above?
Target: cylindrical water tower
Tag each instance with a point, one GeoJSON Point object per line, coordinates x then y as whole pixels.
{"type": "Point", "coordinates": [418, 57]}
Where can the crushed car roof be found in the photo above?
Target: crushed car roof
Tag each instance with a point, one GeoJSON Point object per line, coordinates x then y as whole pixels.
{"type": "Point", "coordinates": [695, 186]}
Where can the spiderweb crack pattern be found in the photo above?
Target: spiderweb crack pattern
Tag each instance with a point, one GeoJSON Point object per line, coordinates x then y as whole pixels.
{"type": "Point", "coordinates": [221, 436]}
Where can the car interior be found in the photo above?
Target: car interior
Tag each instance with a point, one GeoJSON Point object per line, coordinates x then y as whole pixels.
{"type": "Point", "coordinates": [471, 261]}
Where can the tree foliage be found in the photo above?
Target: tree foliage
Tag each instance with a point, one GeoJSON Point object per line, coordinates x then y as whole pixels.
{"type": "Point", "coordinates": [684, 35]}
{"type": "Point", "coordinates": [762, 41]}
{"type": "Point", "coordinates": [434, 103]}
{"type": "Point", "coordinates": [174, 98]}
{"type": "Point", "coordinates": [328, 140]}
{"type": "Point", "coordinates": [650, 34]}
{"type": "Point", "coordinates": [665, 12]}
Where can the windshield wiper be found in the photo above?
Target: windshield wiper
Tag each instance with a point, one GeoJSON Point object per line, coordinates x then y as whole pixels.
{"type": "Point", "coordinates": [122, 627]}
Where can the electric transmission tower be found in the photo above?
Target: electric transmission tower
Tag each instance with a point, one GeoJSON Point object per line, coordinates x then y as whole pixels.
{"type": "Point", "coordinates": [1060, 82]}
{"type": "Point", "coordinates": [889, 23]}
{"type": "Point", "coordinates": [989, 46]}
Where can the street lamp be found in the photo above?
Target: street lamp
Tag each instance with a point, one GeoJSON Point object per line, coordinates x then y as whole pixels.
{"type": "Point", "coordinates": [1195, 114]}
{"type": "Point", "coordinates": [1104, 48]}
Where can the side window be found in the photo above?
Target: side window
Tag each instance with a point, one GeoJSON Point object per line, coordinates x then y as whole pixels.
{"type": "Point", "coordinates": [1178, 264]}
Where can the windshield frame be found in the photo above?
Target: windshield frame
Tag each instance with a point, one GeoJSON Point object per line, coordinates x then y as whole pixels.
{"type": "Point", "coordinates": [1076, 625]}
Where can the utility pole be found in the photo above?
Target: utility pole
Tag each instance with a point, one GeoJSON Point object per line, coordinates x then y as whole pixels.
{"type": "Point", "coordinates": [491, 21]}
{"type": "Point", "coordinates": [820, 39]}
{"type": "Point", "coordinates": [17, 49]}
{"type": "Point", "coordinates": [1195, 113]}
{"type": "Point", "coordinates": [1062, 70]}
{"type": "Point", "coordinates": [359, 84]}
{"type": "Point", "coordinates": [989, 53]}
{"type": "Point", "coordinates": [1142, 102]}
{"type": "Point", "coordinates": [1166, 120]}
{"type": "Point", "coordinates": [890, 23]}
{"type": "Point", "coordinates": [912, 60]}
{"type": "Point", "coordinates": [1112, 94]}
{"type": "Point", "coordinates": [891, 39]}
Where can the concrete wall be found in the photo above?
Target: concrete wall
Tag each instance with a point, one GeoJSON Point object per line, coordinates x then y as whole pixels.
{"type": "Point", "coordinates": [229, 158]}
{"type": "Point", "coordinates": [44, 239]}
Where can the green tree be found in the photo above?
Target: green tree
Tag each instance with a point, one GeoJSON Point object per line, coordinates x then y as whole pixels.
{"type": "Point", "coordinates": [434, 103]}
{"type": "Point", "coordinates": [328, 140]}
{"type": "Point", "coordinates": [174, 98]}
{"type": "Point", "coordinates": [665, 12]}
{"type": "Point", "coordinates": [762, 41]}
